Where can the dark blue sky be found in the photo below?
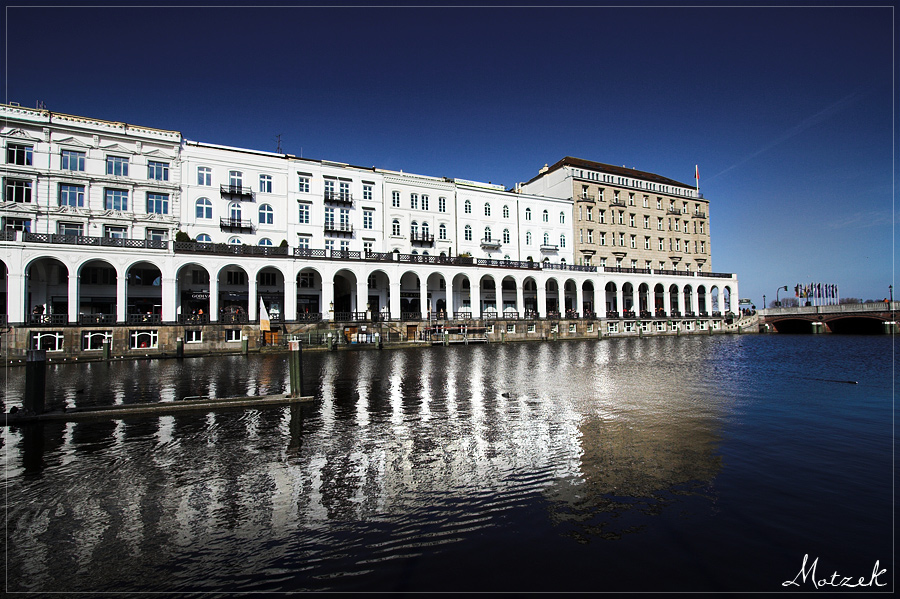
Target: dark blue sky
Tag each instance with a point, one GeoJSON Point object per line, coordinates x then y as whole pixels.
{"type": "Point", "coordinates": [789, 111]}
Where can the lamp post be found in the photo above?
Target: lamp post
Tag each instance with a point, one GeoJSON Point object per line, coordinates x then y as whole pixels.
{"type": "Point", "coordinates": [778, 303]}
{"type": "Point", "coordinates": [891, 292]}
{"type": "Point", "coordinates": [764, 301]}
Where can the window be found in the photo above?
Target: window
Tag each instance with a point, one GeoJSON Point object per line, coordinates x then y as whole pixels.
{"type": "Point", "coordinates": [157, 234]}
{"type": "Point", "coordinates": [329, 245]}
{"type": "Point", "coordinates": [487, 209]}
{"type": "Point", "coordinates": [546, 216]}
{"type": "Point", "coordinates": [204, 175]}
{"type": "Point", "coordinates": [344, 190]}
{"type": "Point", "coordinates": [622, 239]}
{"type": "Point", "coordinates": [659, 223]}
{"type": "Point", "coordinates": [95, 339]}
{"type": "Point", "coordinates": [144, 339]}
{"type": "Point", "coordinates": [265, 183]}
{"type": "Point", "coordinates": [70, 229]}
{"type": "Point", "coordinates": [266, 215]}
{"type": "Point", "coordinates": [528, 214]}
{"type": "Point", "coordinates": [235, 277]}
{"type": "Point", "coordinates": [157, 203]}
{"type": "Point", "coordinates": [203, 238]}
{"type": "Point", "coordinates": [562, 241]}
{"type": "Point", "coordinates": [367, 192]}
{"type": "Point", "coordinates": [631, 199]}
{"type": "Point", "coordinates": [203, 208]}
{"type": "Point", "coordinates": [234, 241]}
{"type": "Point", "coordinates": [266, 242]}
{"type": "Point", "coordinates": [505, 211]}
{"type": "Point", "coordinates": [528, 238]}
{"type": "Point", "coordinates": [630, 220]}
{"type": "Point", "coordinates": [193, 336]}
{"type": "Point", "coordinates": [303, 213]}
{"type": "Point", "coordinates": [424, 202]}
{"type": "Point", "coordinates": [487, 233]}
{"type": "Point", "coordinates": [234, 211]}
{"type": "Point", "coordinates": [414, 229]}
{"type": "Point", "coordinates": [117, 165]}
{"type": "Point", "coordinates": [18, 190]}
{"type": "Point", "coordinates": [114, 232]}
{"type": "Point", "coordinates": [590, 213]}
{"type": "Point", "coordinates": [646, 243]}
{"type": "Point", "coordinates": [303, 183]}
{"type": "Point", "coordinates": [646, 202]}
{"type": "Point", "coordinates": [646, 222]}
{"type": "Point", "coordinates": [19, 154]}
{"type": "Point", "coordinates": [395, 228]}
{"type": "Point", "coordinates": [467, 207]}
{"type": "Point", "coordinates": [368, 219]}
{"type": "Point", "coordinates": [303, 242]}
{"type": "Point", "coordinates": [590, 236]}
{"type": "Point", "coordinates": [329, 218]}
{"type": "Point", "coordinates": [368, 247]}
{"type": "Point", "coordinates": [505, 235]}
{"type": "Point", "coordinates": [621, 217]}
{"type": "Point", "coordinates": [661, 246]}
{"type": "Point", "coordinates": [306, 280]}
{"type": "Point", "coordinates": [467, 233]}
{"type": "Point", "coordinates": [232, 335]}
{"type": "Point", "coordinates": [546, 238]}
{"type": "Point", "coordinates": [115, 199]}
{"type": "Point", "coordinates": [345, 219]}
{"type": "Point", "coordinates": [562, 218]}
{"type": "Point", "coordinates": [17, 224]}
{"type": "Point", "coordinates": [414, 201]}
{"type": "Point", "coordinates": [48, 341]}
{"type": "Point", "coordinates": [425, 231]}
{"type": "Point", "coordinates": [442, 232]}
{"type": "Point", "coordinates": [442, 204]}
{"type": "Point", "coordinates": [602, 238]}
{"type": "Point", "coordinates": [72, 160]}
{"type": "Point", "coordinates": [158, 171]}
{"type": "Point", "coordinates": [235, 179]}
{"type": "Point", "coordinates": [395, 199]}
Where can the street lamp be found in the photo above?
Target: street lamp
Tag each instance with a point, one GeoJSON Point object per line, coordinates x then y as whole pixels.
{"type": "Point", "coordinates": [778, 303]}
{"type": "Point", "coordinates": [891, 291]}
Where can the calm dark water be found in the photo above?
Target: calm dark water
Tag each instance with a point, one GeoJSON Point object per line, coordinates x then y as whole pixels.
{"type": "Point", "coordinates": [657, 464]}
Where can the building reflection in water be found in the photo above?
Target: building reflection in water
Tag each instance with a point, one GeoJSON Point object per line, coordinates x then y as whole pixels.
{"type": "Point", "coordinates": [425, 446]}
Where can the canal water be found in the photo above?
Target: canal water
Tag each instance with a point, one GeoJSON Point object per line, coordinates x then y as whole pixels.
{"type": "Point", "coordinates": [703, 463]}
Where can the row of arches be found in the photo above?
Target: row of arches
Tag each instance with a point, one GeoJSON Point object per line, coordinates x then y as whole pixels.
{"type": "Point", "coordinates": [295, 290]}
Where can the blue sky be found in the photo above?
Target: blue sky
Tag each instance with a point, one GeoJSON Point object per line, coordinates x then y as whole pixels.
{"type": "Point", "coordinates": [788, 110]}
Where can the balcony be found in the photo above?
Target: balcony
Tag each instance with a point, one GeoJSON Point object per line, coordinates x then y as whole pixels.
{"type": "Point", "coordinates": [674, 211]}
{"type": "Point", "coordinates": [342, 199]}
{"type": "Point", "coordinates": [547, 247]}
{"type": "Point", "coordinates": [235, 225]}
{"type": "Point", "coordinates": [490, 244]}
{"type": "Point", "coordinates": [617, 202]}
{"type": "Point", "coordinates": [126, 242]}
{"type": "Point", "coordinates": [586, 197]}
{"type": "Point", "coordinates": [698, 214]}
{"type": "Point", "coordinates": [342, 229]}
{"type": "Point", "coordinates": [236, 192]}
{"type": "Point", "coordinates": [421, 239]}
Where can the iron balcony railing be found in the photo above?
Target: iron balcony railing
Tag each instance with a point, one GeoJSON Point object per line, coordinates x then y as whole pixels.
{"type": "Point", "coordinates": [236, 191]}
{"type": "Point", "coordinates": [235, 224]}
{"type": "Point", "coordinates": [335, 197]}
{"type": "Point", "coordinates": [333, 227]}
{"type": "Point", "coordinates": [421, 239]}
{"type": "Point", "coordinates": [125, 242]}
{"type": "Point", "coordinates": [490, 244]}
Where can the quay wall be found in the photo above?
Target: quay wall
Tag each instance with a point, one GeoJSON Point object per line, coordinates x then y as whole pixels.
{"type": "Point", "coordinates": [162, 341]}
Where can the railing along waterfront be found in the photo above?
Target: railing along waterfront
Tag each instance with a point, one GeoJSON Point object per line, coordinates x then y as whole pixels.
{"type": "Point", "coordinates": [55, 238]}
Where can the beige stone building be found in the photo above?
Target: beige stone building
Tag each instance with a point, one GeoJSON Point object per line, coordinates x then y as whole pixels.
{"type": "Point", "coordinates": [627, 218]}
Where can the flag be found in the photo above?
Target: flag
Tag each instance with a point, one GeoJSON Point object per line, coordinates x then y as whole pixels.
{"type": "Point", "coordinates": [263, 317]}
{"type": "Point", "coordinates": [697, 173]}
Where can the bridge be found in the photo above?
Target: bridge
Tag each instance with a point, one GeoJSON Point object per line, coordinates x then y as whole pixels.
{"type": "Point", "coordinates": [861, 319]}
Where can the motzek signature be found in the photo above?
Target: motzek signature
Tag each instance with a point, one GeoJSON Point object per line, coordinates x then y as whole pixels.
{"type": "Point", "coordinates": [836, 579]}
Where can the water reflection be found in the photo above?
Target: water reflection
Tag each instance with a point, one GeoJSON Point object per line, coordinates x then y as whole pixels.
{"type": "Point", "coordinates": [405, 453]}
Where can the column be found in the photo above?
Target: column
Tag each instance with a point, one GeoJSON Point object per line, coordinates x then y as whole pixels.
{"type": "Point", "coordinates": [213, 298]}
{"type": "Point", "coordinates": [15, 297]}
{"type": "Point", "coordinates": [252, 300]}
{"type": "Point", "coordinates": [681, 300]}
{"type": "Point", "coordinates": [667, 301]}
{"type": "Point", "coordinates": [619, 305]}
{"type": "Point", "coordinates": [362, 295]}
{"type": "Point", "coordinates": [395, 298]}
{"type": "Point", "coordinates": [475, 297]}
{"type": "Point", "coordinates": [121, 295]}
{"type": "Point", "coordinates": [520, 300]}
{"type": "Point", "coordinates": [695, 301]}
{"type": "Point", "coordinates": [542, 300]}
{"type": "Point", "coordinates": [328, 297]}
{"type": "Point", "coordinates": [290, 299]}
{"type": "Point", "coordinates": [423, 297]}
{"type": "Point", "coordinates": [74, 299]}
{"type": "Point", "coordinates": [579, 299]}
{"type": "Point", "coordinates": [636, 300]}
{"type": "Point", "coordinates": [169, 292]}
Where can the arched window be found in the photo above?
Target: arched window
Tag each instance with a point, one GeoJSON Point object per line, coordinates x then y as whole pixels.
{"type": "Point", "coordinates": [235, 241]}
{"type": "Point", "coordinates": [487, 209]}
{"type": "Point", "coordinates": [203, 238]}
{"type": "Point", "coordinates": [528, 238]}
{"type": "Point", "coordinates": [562, 241]}
{"type": "Point", "coordinates": [562, 218]}
{"type": "Point", "coordinates": [414, 229]}
{"type": "Point", "coordinates": [528, 214]}
{"type": "Point", "coordinates": [468, 233]}
{"type": "Point", "coordinates": [487, 233]}
{"type": "Point", "coordinates": [425, 231]}
{"type": "Point", "coordinates": [505, 235]}
{"type": "Point", "coordinates": [505, 211]}
{"type": "Point", "coordinates": [234, 211]}
{"type": "Point", "coordinates": [204, 208]}
{"type": "Point", "coordinates": [395, 228]}
{"type": "Point", "coordinates": [265, 241]}
{"type": "Point", "coordinates": [546, 216]}
{"type": "Point", "coordinates": [468, 207]}
{"type": "Point", "coordinates": [546, 238]}
{"type": "Point", "coordinates": [266, 215]}
{"type": "Point", "coordinates": [442, 231]}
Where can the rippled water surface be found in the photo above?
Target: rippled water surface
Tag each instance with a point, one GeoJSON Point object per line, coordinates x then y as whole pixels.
{"type": "Point", "coordinates": [676, 464]}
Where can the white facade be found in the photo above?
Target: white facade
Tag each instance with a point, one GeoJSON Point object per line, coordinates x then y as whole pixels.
{"type": "Point", "coordinates": [419, 214]}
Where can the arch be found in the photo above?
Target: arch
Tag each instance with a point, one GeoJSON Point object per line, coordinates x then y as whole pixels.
{"type": "Point", "coordinates": [143, 291]}
{"type": "Point", "coordinates": [271, 289]}
{"type": "Point", "coordinates": [553, 300]}
{"type": "Point", "coordinates": [628, 300]}
{"type": "Point", "coordinates": [490, 292]}
{"type": "Point", "coordinates": [674, 295]}
{"type": "Point", "coordinates": [461, 300]}
{"type": "Point", "coordinates": [644, 303]}
{"type": "Point", "coordinates": [587, 301]}
{"type": "Point", "coordinates": [487, 209]}
{"type": "Point", "coordinates": [266, 215]}
{"type": "Point", "coordinates": [192, 290]}
{"type": "Point", "coordinates": [46, 290]}
{"type": "Point", "coordinates": [265, 242]}
{"type": "Point", "coordinates": [689, 300]}
{"type": "Point", "coordinates": [234, 211]}
{"type": "Point", "coordinates": [345, 287]}
{"type": "Point", "coordinates": [234, 240]}
{"type": "Point", "coordinates": [703, 308]}
{"type": "Point", "coordinates": [378, 294]}
{"type": "Point", "coordinates": [508, 301]}
{"type": "Point", "coordinates": [570, 298]}
{"type": "Point", "coordinates": [97, 289]}
{"type": "Point", "coordinates": [437, 304]}
{"type": "Point", "coordinates": [611, 298]}
{"type": "Point", "coordinates": [203, 209]}
{"type": "Point", "coordinates": [204, 238]}
{"type": "Point", "coordinates": [714, 301]}
{"type": "Point", "coordinates": [442, 231]}
{"type": "Point", "coordinates": [528, 214]}
{"type": "Point", "coordinates": [659, 300]}
{"type": "Point", "coordinates": [233, 289]}
{"type": "Point", "coordinates": [530, 296]}
{"type": "Point", "coordinates": [309, 294]}
{"type": "Point", "coordinates": [411, 300]}
{"type": "Point", "coordinates": [467, 233]}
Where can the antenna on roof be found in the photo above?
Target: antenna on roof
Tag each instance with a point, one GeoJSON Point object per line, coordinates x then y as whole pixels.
{"type": "Point", "coordinates": [278, 146]}
{"type": "Point", "coordinates": [40, 105]}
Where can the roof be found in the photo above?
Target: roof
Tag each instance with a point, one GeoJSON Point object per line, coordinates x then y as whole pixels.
{"type": "Point", "coordinates": [609, 168]}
